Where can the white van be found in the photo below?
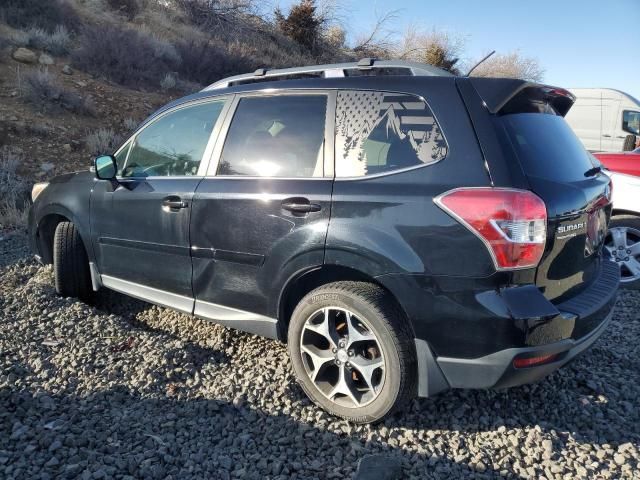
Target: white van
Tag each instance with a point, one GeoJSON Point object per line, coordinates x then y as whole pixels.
{"type": "Point", "coordinates": [604, 119]}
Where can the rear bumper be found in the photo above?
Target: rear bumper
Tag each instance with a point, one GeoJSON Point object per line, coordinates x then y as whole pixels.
{"type": "Point", "coordinates": [497, 370]}
{"type": "Point", "coordinates": [563, 331]}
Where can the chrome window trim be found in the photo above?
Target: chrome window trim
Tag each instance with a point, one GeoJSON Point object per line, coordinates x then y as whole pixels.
{"type": "Point", "coordinates": [202, 167]}
{"type": "Point", "coordinates": [329, 132]}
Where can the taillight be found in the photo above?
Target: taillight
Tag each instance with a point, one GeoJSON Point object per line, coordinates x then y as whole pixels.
{"type": "Point", "coordinates": [511, 223]}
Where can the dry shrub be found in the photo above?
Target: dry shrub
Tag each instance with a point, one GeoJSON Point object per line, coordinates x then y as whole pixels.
{"type": "Point", "coordinates": [129, 8]}
{"type": "Point", "coordinates": [57, 42]}
{"type": "Point", "coordinates": [511, 65]}
{"type": "Point", "coordinates": [14, 191]}
{"type": "Point", "coordinates": [46, 14]}
{"type": "Point", "coordinates": [43, 91]}
{"type": "Point", "coordinates": [206, 62]}
{"type": "Point", "coordinates": [302, 24]}
{"type": "Point", "coordinates": [125, 56]}
{"type": "Point", "coordinates": [103, 141]}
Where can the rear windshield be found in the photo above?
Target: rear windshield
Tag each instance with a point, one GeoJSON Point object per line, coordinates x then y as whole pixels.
{"type": "Point", "coordinates": [546, 146]}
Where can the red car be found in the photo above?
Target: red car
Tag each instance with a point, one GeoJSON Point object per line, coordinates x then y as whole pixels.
{"type": "Point", "coordinates": [623, 162]}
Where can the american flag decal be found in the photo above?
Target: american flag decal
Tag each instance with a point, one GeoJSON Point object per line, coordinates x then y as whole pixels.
{"type": "Point", "coordinates": [378, 131]}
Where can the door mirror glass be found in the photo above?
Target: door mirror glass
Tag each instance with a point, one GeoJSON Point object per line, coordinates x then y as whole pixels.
{"type": "Point", "coordinates": [106, 167]}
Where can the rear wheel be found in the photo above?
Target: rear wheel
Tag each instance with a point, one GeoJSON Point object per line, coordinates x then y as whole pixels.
{"type": "Point", "coordinates": [70, 263]}
{"type": "Point", "coordinates": [623, 242]}
{"type": "Point", "coordinates": [352, 351]}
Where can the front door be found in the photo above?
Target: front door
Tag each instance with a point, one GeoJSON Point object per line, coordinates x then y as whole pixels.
{"type": "Point", "coordinates": [140, 226]}
{"type": "Point", "coordinates": [262, 212]}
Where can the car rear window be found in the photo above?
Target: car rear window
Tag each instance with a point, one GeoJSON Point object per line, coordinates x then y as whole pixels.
{"type": "Point", "coordinates": [546, 146]}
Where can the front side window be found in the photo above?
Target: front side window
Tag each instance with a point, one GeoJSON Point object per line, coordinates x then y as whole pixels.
{"type": "Point", "coordinates": [278, 136]}
{"type": "Point", "coordinates": [378, 132]}
{"type": "Point", "coordinates": [174, 144]}
{"type": "Point", "coordinates": [631, 122]}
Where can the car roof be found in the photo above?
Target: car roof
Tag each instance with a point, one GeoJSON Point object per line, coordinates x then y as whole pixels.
{"type": "Point", "coordinates": [334, 70]}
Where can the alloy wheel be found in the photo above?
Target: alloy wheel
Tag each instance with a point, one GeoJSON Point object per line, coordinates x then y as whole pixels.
{"type": "Point", "coordinates": [342, 357]}
{"type": "Point", "coordinates": [623, 243]}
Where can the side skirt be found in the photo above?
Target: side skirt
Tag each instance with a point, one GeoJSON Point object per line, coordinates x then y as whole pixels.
{"type": "Point", "coordinates": [238, 319]}
{"type": "Point", "coordinates": [149, 294]}
{"type": "Point", "coordinates": [229, 317]}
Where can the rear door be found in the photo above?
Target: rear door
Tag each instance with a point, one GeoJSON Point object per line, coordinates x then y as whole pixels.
{"type": "Point", "coordinates": [561, 172]}
{"type": "Point", "coordinates": [262, 212]}
{"type": "Point", "coordinates": [140, 226]}
{"type": "Point", "coordinates": [610, 124]}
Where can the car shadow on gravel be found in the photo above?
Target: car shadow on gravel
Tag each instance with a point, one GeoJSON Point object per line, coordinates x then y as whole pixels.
{"type": "Point", "coordinates": [116, 432]}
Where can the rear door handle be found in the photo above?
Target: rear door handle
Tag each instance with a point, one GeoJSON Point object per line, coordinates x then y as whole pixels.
{"type": "Point", "coordinates": [606, 135]}
{"type": "Point", "coordinates": [300, 205]}
{"type": "Point", "coordinates": [173, 203]}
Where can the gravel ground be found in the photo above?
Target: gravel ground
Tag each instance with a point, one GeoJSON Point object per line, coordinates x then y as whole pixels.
{"type": "Point", "coordinates": [131, 390]}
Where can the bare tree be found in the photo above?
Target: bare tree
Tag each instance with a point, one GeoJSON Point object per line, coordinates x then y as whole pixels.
{"type": "Point", "coordinates": [216, 14]}
{"type": "Point", "coordinates": [438, 48]}
{"type": "Point", "coordinates": [378, 41]}
{"type": "Point", "coordinates": [511, 65]}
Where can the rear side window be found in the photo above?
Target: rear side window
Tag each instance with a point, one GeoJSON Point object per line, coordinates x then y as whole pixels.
{"type": "Point", "coordinates": [546, 146]}
{"type": "Point", "coordinates": [278, 136]}
{"type": "Point", "coordinates": [379, 132]}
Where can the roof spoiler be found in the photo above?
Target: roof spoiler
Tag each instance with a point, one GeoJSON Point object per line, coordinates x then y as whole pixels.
{"type": "Point", "coordinates": [509, 95]}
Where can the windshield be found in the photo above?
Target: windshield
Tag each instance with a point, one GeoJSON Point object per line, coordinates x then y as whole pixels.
{"type": "Point", "coordinates": [547, 147]}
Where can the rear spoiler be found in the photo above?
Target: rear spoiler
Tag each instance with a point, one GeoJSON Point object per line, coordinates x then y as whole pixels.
{"type": "Point", "coordinates": [509, 95]}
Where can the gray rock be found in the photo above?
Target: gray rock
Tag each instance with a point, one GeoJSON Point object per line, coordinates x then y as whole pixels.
{"type": "Point", "coordinates": [67, 70]}
{"type": "Point", "coordinates": [24, 55]}
{"type": "Point", "coordinates": [378, 467]}
{"type": "Point", "coordinates": [45, 59]}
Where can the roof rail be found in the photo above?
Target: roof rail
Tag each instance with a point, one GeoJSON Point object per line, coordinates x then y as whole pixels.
{"type": "Point", "coordinates": [385, 67]}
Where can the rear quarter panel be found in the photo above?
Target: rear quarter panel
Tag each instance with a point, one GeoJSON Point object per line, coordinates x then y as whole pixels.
{"type": "Point", "coordinates": [389, 223]}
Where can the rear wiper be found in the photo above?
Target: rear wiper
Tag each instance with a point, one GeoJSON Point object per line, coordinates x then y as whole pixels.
{"type": "Point", "coordinates": [592, 171]}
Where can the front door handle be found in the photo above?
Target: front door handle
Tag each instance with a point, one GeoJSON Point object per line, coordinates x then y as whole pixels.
{"type": "Point", "coordinates": [605, 135]}
{"type": "Point", "coordinates": [300, 205]}
{"type": "Point", "coordinates": [173, 203]}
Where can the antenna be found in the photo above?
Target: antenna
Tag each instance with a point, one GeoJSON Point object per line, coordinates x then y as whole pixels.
{"type": "Point", "coordinates": [479, 63]}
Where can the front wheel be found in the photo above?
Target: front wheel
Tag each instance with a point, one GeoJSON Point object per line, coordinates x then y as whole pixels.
{"type": "Point", "coordinates": [353, 351]}
{"type": "Point", "coordinates": [70, 263]}
{"type": "Point", "coordinates": [623, 243]}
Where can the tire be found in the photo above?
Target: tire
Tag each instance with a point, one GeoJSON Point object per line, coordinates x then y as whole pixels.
{"type": "Point", "coordinates": [629, 143]}
{"type": "Point", "coordinates": [631, 226]}
{"type": "Point", "coordinates": [71, 264]}
{"type": "Point", "coordinates": [373, 313]}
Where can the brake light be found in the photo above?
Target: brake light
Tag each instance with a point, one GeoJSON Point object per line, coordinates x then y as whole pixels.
{"type": "Point", "coordinates": [511, 223]}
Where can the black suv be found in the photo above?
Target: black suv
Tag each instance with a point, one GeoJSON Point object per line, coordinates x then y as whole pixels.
{"type": "Point", "coordinates": [404, 230]}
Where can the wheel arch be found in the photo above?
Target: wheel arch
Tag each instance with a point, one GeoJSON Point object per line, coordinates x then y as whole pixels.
{"type": "Point", "coordinates": [305, 281]}
{"type": "Point", "coordinates": [616, 212]}
{"type": "Point", "coordinates": [46, 227]}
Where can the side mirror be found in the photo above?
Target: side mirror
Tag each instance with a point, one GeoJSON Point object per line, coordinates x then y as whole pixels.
{"type": "Point", "coordinates": [106, 167]}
